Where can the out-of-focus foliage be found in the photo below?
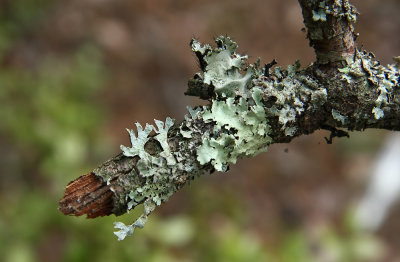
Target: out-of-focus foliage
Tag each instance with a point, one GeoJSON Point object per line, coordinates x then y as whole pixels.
{"type": "Point", "coordinates": [73, 73]}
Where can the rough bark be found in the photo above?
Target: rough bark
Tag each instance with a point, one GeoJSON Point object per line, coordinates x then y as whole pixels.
{"type": "Point", "coordinates": [330, 29]}
{"type": "Point", "coordinates": [345, 88]}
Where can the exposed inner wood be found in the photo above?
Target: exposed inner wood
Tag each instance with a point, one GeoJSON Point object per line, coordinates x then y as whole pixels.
{"type": "Point", "coordinates": [87, 195]}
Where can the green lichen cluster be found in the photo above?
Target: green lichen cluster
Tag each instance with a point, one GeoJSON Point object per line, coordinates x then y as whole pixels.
{"type": "Point", "coordinates": [149, 166]}
{"type": "Point", "coordinates": [159, 174]}
{"type": "Point", "coordinates": [240, 129]}
{"type": "Point", "coordinates": [155, 170]}
{"type": "Point", "coordinates": [320, 14]}
{"type": "Point", "coordinates": [234, 125]}
{"type": "Point", "coordinates": [239, 132]}
{"type": "Point", "coordinates": [342, 9]}
{"type": "Point", "coordinates": [240, 110]}
{"type": "Point", "coordinates": [240, 124]}
{"type": "Point", "coordinates": [223, 67]}
{"type": "Point", "coordinates": [339, 117]}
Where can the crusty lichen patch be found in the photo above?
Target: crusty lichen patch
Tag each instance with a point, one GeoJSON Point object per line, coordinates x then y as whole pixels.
{"type": "Point", "coordinates": [383, 79]}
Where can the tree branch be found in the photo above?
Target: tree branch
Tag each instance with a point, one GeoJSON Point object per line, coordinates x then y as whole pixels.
{"type": "Point", "coordinates": [330, 29]}
{"type": "Point", "coordinates": [250, 109]}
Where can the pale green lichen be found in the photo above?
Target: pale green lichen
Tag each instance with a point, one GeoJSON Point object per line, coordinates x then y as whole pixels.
{"type": "Point", "coordinates": [319, 96]}
{"type": "Point", "coordinates": [320, 14]}
{"type": "Point", "coordinates": [339, 117]}
{"type": "Point", "coordinates": [223, 67]}
{"type": "Point", "coordinates": [344, 70]}
{"type": "Point", "coordinates": [240, 117]}
{"type": "Point", "coordinates": [160, 172]}
{"type": "Point", "coordinates": [290, 131]}
{"type": "Point", "coordinates": [127, 230]}
{"type": "Point", "coordinates": [240, 132]}
{"type": "Point", "coordinates": [384, 79]}
{"type": "Point", "coordinates": [241, 127]}
{"type": "Point", "coordinates": [292, 92]}
{"type": "Point", "coordinates": [350, 12]}
{"type": "Point", "coordinates": [184, 129]}
{"type": "Point", "coordinates": [237, 125]}
{"type": "Point", "coordinates": [344, 9]}
{"type": "Point", "coordinates": [162, 138]}
{"type": "Point", "coordinates": [378, 113]}
{"type": "Point", "coordinates": [138, 142]}
{"type": "Point", "coordinates": [155, 170]}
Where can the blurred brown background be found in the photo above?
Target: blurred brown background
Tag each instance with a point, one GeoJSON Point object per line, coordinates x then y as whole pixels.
{"type": "Point", "coordinates": [74, 74]}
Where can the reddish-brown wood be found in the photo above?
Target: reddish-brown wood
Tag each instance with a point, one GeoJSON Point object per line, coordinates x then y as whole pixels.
{"type": "Point", "coordinates": [87, 195]}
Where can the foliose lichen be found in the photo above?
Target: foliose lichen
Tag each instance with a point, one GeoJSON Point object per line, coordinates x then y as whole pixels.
{"type": "Point", "coordinates": [241, 127]}
{"type": "Point", "coordinates": [127, 230]}
{"type": "Point", "coordinates": [239, 132]}
{"type": "Point", "coordinates": [238, 111]}
{"type": "Point", "coordinates": [161, 173]}
{"type": "Point", "coordinates": [339, 117]}
{"type": "Point", "coordinates": [154, 170]}
{"type": "Point", "coordinates": [320, 14]}
{"type": "Point", "coordinates": [235, 124]}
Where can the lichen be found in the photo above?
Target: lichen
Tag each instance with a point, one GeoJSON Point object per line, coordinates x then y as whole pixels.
{"type": "Point", "coordinates": [240, 132]}
{"type": "Point", "coordinates": [294, 93]}
{"type": "Point", "coordinates": [339, 117]}
{"type": "Point", "coordinates": [158, 183]}
{"type": "Point", "coordinates": [127, 230]}
{"type": "Point", "coordinates": [384, 79]}
{"type": "Point", "coordinates": [241, 127]}
{"type": "Point", "coordinates": [237, 122]}
{"type": "Point", "coordinates": [162, 138]}
{"type": "Point", "coordinates": [320, 14]}
{"type": "Point", "coordinates": [240, 117]}
{"type": "Point", "coordinates": [223, 66]}
{"type": "Point", "coordinates": [185, 130]}
{"type": "Point", "coordinates": [378, 113]}
{"type": "Point", "coordinates": [138, 142]}
{"type": "Point", "coordinates": [345, 9]}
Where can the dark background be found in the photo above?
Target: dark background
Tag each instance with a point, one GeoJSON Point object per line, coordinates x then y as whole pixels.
{"type": "Point", "coordinates": [74, 74]}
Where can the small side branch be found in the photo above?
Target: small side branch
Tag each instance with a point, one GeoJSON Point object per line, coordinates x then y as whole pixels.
{"type": "Point", "coordinates": [330, 29]}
